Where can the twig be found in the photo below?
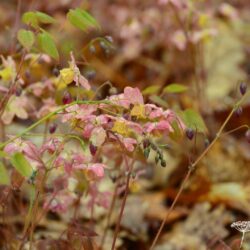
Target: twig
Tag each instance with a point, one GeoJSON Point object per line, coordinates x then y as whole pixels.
{"type": "Point", "coordinates": [192, 167]}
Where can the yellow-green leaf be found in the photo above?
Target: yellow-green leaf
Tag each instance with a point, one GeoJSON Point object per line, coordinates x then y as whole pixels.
{"type": "Point", "coordinates": [30, 18]}
{"type": "Point", "coordinates": [26, 38]}
{"type": "Point", "coordinates": [48, 45]}
{"type": "Point", "coordinates": [151, 90]}
{"type": "Point", "coordinates": [193, 120]}
{"type": "Point", "coordinates": [158, 100]}
{"type": "Point", "coordinates": [82, 20]}
{"type": "Point", "coordinates": [21, 164]}
{"type": "Point", "coordinates": [4, 177]}
{"type": "Point", "coordinates": [35, 18]}
{"type": "Point", "coordinates": [44, 18]}
{"type": "Point", "coordinates": [175, 88]}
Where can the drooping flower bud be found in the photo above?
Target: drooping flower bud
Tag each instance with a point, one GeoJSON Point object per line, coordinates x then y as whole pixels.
{"type": "Point", "coordinates": [248, 135]}
{"type": "Point", "coordinates": [92, 149]}
{"type": "Point", "coordinates": [52, 128]}
{"type": "Point", "coordinates": [67, 98]}
{"type": "Point", "coordinates": [239, 111]}
{"type": "Point", "coordinates": [146, 152]}
{"type": "Point", "coordinates": [243, 88]}
{"type": "Point", "coordinates": [190, 133]}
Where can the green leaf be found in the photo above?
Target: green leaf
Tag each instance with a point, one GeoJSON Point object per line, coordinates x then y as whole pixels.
{"type": "Point", "coordinates": [151, 90]}
{"type": "Point", "coordinates": [21, 164]}
{"type": "Point", "coordinates": [158, 100]}
{"type": "Point", "coordinates": [4, 177]}
{"type": "Point", "coordinates": [44, 18]}
{"type": "Point", "coordinates": [26, 38]}
{"type": "Point", "coordinates": [175, 88]}
{"type": "Point", "coordinates": [193, 120]}
{"type": "Point", "coordinates": [34, 18]}
{"type": "Point", "coordinates": [47, 44]}
{"type": "Point", "coordinates": [177, 132]}
{"type": "Point", "coordinates": [30, 18]}
{"type": "Point", "coordinates": [3, 154]}
{"type": "Point", "coordinates": [82, 20]}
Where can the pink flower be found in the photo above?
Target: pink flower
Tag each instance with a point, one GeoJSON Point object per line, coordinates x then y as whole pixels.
{"type": "Point", "coordinates": [95, 171]}
{"type": "Point", "coordinates": [82, 112]}
{"type": "Point", "coordinates": [49, 105]}
{"type": "Point", "coordinates": [130, 96]}
{"type": "Point", "coordinates": [25, 147]}
{"type": "Point", "coordinates": [51, 146]}
{"type": "Point", "coordinates": [16, 106]}
{"type": "Point", "coordinates": [129, 143]}
{"type": "Point", "coordinates": [78, 78]}
{"type": "Point", "coordinates": [152, 111]}
{"type": "Point", "coordinates": [133, 95]}
{"type": "Point", "coordinates": [98, 198]}
{"type": "Point", "coordinates": [59, 201]}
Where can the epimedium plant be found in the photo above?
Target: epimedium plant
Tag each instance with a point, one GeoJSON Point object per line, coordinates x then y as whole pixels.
{"type": "Point", "coordinates": [66, 167]}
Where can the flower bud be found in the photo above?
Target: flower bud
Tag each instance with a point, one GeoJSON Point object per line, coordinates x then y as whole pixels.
{"type": "Point", "coordinates": [18, 91]}
{"type": "Point", "coordinates": [67, 98]}
{"type": "Point", "coordinates": [52, 128]}
{"type": "Point", "coordinates": [109, 38]}
{"type": "Point", "coordinates": [206, 143]}
{"type": "Point", "coordinates": [146, 152]}
{"type": "Point", "coordinates": [113, 91]}
{"type": "Point", "coordinates": [55, 71]}
{"type": "Point", "coordinates": [163, 163]}
{"type": "Point", "coordinates": [239, 111]}
{"type": "Point", "coordinates": [146, 143]}
{"type": "Point", "coordinates": [92, 149]}
{"type": "Point", "coordinates": [243, 88]}
{"type": "Point", "coordinates": [248, 135]}
{"type": "Point", "coordinates": [190, 133]}
{"type": "Point", "coordinates": [92, 49]}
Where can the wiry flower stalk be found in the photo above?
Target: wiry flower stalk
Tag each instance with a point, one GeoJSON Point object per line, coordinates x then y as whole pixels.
{"type": "Point", "coordinates": [243, 227]}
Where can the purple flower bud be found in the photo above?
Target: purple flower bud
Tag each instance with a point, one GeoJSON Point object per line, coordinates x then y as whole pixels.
{"type": "Point", "coordinates": [239, 111]}
{"type": "Point", "coordinates": [67, 98]}
{"type": "Point", "coordinates": [92, 149]}
{"type": "Point", "coordinates": [190, 133]}
{"type": "Point", "coordinates": [248, 135]}
{"type": "Point", "coordinates": [243, 88]}
{"type": "Point", "coordinates": [146, 143]}
{"type": "Point", "coordinates": [52, 128]}
{"type": "Point", "coordinates": [18, 91]}
{"type": "Point", "coordinates": [27, 74]}
{"type": "Point", "coordinates": [55, 72]}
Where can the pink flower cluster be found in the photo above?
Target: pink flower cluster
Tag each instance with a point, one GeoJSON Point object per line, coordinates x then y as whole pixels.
{"type": "Point", "coordinates": [125, 122]}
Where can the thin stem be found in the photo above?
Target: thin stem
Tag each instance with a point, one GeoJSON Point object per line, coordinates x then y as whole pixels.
{"type": "Point", "coordinates": [118, 224]}
{"type": "Point", "coordinates": [235, 129]}
{"type": "Point", "coordinates": [193, 167]}
{"type": "Point", "coordinates": [48, 116]}
{"type": "Point", "coordinates": [111, 208]}
{"type": "Point", "coordinates": [242, 239]}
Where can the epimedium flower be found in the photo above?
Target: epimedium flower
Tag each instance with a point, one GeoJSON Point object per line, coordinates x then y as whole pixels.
{"type": "Point", "coordinates": [99, 198]}
{"type": "Point", "coordinates": [8, 72]}
{"type": "Point", "coordinates": [59, 201]}
{"type": "Point", "coordinates": [16, 106]}
{"type": "Point", "coordinates": [129, 96]}
{"type": "Point", "coordinates": [72, 74]}
{"type": "Point", "coordinates": [93, 171]}
{"type": "Point", "coordinates": [27, 148]}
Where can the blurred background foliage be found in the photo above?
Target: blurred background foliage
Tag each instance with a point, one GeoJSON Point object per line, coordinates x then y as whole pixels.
{"type": "Point", "coordinates": [202, 45]}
